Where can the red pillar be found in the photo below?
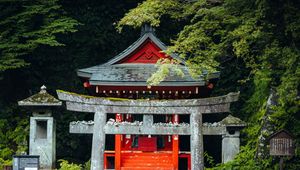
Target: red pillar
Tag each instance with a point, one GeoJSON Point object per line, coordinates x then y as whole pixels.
{"type": "Point", "coordinates": [126, 144]}
{"type": "Point", "coordinates": [118, 146]}
{"type": "Point", "coordinates": [189, 162]}
{"type": "Point", "coordinates": [175, 144]}
{"type": "Point", "coordinates": [105, 161]}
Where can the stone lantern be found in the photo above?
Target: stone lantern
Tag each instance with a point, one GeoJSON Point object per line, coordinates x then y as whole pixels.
{"type": "Point", "coordinates": [231, 139]}
{"type": "Point", "coordinates": [42, 137]}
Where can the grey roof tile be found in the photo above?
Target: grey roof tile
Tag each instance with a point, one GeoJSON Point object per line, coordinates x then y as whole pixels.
{"type": "Point", "coordinates": [111, 73]}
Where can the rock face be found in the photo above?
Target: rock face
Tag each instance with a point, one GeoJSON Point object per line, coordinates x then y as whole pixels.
{"type": "Point", "coordinates": [267, 128]}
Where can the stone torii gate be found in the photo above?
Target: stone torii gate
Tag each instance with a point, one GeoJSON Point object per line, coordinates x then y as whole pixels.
{"type": "Point", "coordinates": [194, 107]}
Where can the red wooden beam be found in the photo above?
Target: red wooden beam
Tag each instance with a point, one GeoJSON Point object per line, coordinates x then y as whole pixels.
{"type": "Point", "coordinates": [118, 146]}
{"type": "Point", "coordinates": [146, 89]}
{"type": "Point", "coordinates": [175, 145]}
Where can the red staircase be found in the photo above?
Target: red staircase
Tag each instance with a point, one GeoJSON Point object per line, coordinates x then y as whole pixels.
{"type": "Point", "coordinates": [147, 161]}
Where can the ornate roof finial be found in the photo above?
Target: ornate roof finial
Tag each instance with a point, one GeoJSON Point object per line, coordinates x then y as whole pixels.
{"type": "Point", "coordinates": [147, 28]}
{"type": "Point", "coordinates": [43, 89]}
{"type": "Point", "coordinates": [40, 99]}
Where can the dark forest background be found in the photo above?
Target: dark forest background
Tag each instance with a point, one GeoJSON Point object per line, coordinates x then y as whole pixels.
{"type": "Point", "coordinates": [254, 44]}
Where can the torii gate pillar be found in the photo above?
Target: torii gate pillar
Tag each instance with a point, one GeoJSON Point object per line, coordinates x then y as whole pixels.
{"type": "Point", "coordinates": [193, 107]}
{"type": "Point", "coordinates": [98, 146]}
{"type": "Point", "coordinates": [197, 160]}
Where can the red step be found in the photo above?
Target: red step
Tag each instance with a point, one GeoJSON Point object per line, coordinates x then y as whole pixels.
{"type": "Point", "coordinates": [145, 161]}
{"type": "Point", "coordinates": [145, 168]}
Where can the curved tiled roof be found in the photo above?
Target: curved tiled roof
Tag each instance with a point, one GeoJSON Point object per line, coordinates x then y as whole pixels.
{"type": "Point", "coordinates": [113, 73]}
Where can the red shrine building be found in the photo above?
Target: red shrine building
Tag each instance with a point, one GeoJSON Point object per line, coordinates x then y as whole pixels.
{"type": "Point", "coordinates": [125, 76]}
{"type": "Point", "coordinates": [137, 126]}
{"type": "Point", "coordinates": [141, 127]}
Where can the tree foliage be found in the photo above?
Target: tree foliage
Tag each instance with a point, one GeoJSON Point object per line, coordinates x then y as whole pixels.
{"type": "Point", "coordinates": [253, 43]}
{"type": "Point", "coordinates": [26, 25]}
{"type": "Point", "coordinates": [82, 35]}
{"type": "Point", "coordinates": [259, 38]}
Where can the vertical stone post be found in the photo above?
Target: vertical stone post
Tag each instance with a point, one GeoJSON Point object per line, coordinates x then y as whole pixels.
{"type": "Point", "coordinates": [230, 145]}
{"type": "Point", "coordinates": [98, 146]}
{"type": "Point", "coordinates": [42, 140]}
{"type": "Point", "coordinates": [231, 139]}
{"type": "Point", "coordinates": [197, 159]}
{"type": "Point", "coordinates": [147, 120]}
{"type": "Point", "coordinates": [42, 137]}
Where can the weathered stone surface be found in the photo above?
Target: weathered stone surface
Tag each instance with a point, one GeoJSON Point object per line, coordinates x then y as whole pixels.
{"type": "Point", "coordinates": [133, 109]}
{"type": "Point", "coordinates": [197, 159]}
{"type": "Point", "coordinates": [75, 102]}
{"type": "Point", "coordinates": [81, 107]}
{"type": "Point", "coordinates": [231, 121]}
{"type": "Point", "coordinates": [146, 130]}
{"type": "Point", "coordinates": [73, 97]}
{"type": "Point", "coordinates": [213, 130]}
{"type": "Point", "coordinates": [42, 141]}
{"type": "Point", "coordinates": [40, 99]}
{"type": "Point", "coordinates": [147, 120]}
{"type": "Point", "coordinates": [137, 109]}
{"type": "Point", "coordinates": [81, 127]}
{"type": "Point", "coordinates": [230, 146]}
{"type": "Point", "coordinates": [98, 146]}
{"type": "Point", "coordinates": [112, 127]}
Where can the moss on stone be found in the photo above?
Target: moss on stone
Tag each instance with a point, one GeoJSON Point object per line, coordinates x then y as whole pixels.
{"type": "Point", "coordinates": [231, 120]}
{"type": "Point", "coordinates": [89, 97]}
{"type": "Point", "coordinates": [106, 98]}
{"type": "Point", "coordinates": [41, 98]}
{"type": "Point", "coordinates": [75, 94]}
{"type": "Point", "coordinates": [116, 99]}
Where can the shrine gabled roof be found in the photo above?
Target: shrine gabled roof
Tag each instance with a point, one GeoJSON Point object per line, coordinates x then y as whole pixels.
{"type": "Point", "coordinates": [137, 75]}
{"type": "Point", "coordinates": [281, 133]}
{"type": "Point", "coordinates": [115, 72]}
{"type": "Point", "coordinates": [137, 44]}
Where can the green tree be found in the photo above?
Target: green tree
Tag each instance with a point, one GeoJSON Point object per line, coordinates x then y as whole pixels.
{"type": "Point", "coordinates": [94, 42]}
{"type": "Point", "coordinates": [255, 45]}
{"type": "Point", "coordinates": [26, 25]}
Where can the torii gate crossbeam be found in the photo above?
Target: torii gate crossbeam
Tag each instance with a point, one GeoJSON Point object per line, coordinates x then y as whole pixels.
{"type": "Point", "coordinates": [101, 106]}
